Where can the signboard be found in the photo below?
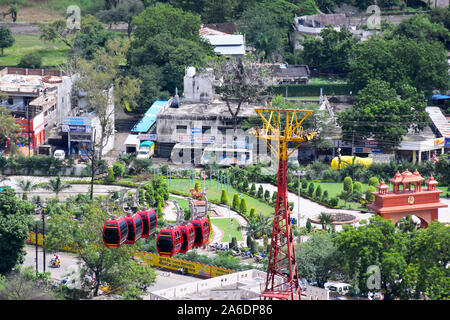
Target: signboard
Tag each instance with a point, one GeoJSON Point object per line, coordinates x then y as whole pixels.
{"type": "Point", "coordinates": [76, 128]}
{"type": "Point", "coordinates": [439, 141]}
{"type": "Point", "coordinates": [144, 136]}
{"type": "Point", "coordinates": [196, 139]}
{"type": "Point", "coordinates": [77, 121]}
{"type": "Point", "coordinates": [196, 130]}
{"type": "Point", "coordinates": [447, 142]}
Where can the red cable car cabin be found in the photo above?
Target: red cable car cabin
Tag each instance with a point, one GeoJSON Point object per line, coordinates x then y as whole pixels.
{"type": "Point", "coordinates": [134, 224]}
{"type": "Point", "coordinates": [168, 242]}
{"type": "Point", "coordinates": [115, 232]}
{"type": "Point", "coordinates": [188, 234]}
{"type": "Point", "coordinates": [149, 222]}
{"type": "Point", "coordinates": [202, 230]}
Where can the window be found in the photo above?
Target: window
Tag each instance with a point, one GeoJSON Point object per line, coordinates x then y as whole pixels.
{"type": "Point", "coordinates": [181, 129]}
{"type": "Point", "coordinates": [206, 129]}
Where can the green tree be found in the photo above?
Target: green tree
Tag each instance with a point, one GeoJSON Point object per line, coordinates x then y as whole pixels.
{"type": "Point", "coordinates": [31, 60]}
{"type": "Point", "coordinates": [331, 52]}
{"type": "Point", "coordinates": [26, 186]}
{"type": "Point", "coordinates": [125, 11]}
{"type": "Point", "coordinates": [399, 61]}
{"type": "Point", "coordinates": [8, 128]}
{"type": "Point", "coordinates": [15, 224]}
{"type": "Point", "coordinates": [377, 243]}
{"type": "Point", "coordinates": [6, 38]}
{"type": "Point", "coordinates": [427, 271]}
{"type": "Point", "coordinates": [56, 185]}
{"type": "Point", "coordinates": [348, 184]}
{"type": "Point", "coordinates": [317, 258]}
{"type": "Point", "coordinates": [325, 219]}
{"type": "Point", "coordinates": [164, 49]}
{"type": "Point", "coordinates": [114, 268]}
{"type": "Point", "coordinates": [380, 115]}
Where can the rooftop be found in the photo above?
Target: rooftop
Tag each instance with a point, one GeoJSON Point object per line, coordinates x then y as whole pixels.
{"type": "Point", "coordinates": [31, 81]}
{"type": "Point", "coordinates": [198, 111]}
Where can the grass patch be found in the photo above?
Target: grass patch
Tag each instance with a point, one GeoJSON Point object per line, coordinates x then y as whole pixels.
{"type": "Point", "coordinates": [224, 225]}
{"type": "Point", "coordinates": [52, 54]}
{"type": "Point", "coordinates": [214, 194]}
{"type": "Point", "coordinates": [335, 188]}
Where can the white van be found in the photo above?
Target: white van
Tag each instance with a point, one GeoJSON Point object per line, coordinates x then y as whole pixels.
{"type": "Point", "coordinates": [339, 288]}
{"type": "Point", "coordinates": [59, 154]}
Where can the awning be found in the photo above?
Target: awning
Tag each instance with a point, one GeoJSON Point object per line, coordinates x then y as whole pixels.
{"type": "Point", "coordinates": [439, 97]}
{"type": "Point", "coordinates": [147, 144]}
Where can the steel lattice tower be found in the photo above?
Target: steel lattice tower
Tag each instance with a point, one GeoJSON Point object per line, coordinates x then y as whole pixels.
{"type": "Point", "coordinates": [280, 127]}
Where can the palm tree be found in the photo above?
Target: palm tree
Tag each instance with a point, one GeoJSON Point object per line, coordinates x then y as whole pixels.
{"type": "Point", "coordinates": [27, 186]}
{"type": "Point", "coordinates": [325, 219]}
{"type": "Point", "coordinates": [56, 185]}
{"type": "Point", "coordinates": [258, 226]}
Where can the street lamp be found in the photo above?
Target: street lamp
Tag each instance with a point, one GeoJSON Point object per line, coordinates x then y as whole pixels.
{"type": "Point", "coordinates": [299, 174]}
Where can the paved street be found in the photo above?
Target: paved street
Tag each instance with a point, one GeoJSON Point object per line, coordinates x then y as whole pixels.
{"type": "Point", "coordinates": [13, 182]}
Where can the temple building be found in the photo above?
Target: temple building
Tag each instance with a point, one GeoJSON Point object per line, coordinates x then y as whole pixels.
{"type": "Point", "coordinates": [407, 198]}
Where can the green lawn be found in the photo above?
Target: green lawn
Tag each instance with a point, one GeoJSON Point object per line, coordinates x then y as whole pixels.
{"type": "Point", "coordinates": [214, 194]}
{"type": "Point", "coordinates": [334, 188]}
{"type": "Point", "coordinates": [224, 224]}
{"type": "Point", "coordinates": [53, 54]}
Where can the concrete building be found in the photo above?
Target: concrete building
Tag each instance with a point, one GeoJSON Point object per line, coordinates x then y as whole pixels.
{"type": "Point", "coordinates": [80, 125]}
{"type": "Point", "coordinates": [199, 119]}
{"type": "Point", "coordinates": [37, 98]}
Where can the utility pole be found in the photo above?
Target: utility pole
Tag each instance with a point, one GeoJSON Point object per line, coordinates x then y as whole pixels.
{"type": "Point", "coordinates": [37, 249]}
{"type": "Point", "coordinates": [93, 165]}
{"type": "Point", "coordinates": [43, 237]}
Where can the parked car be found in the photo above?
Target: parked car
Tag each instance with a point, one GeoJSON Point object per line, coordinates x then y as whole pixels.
{"type": "Point", "coordinates": [59, 154]}
{"type": "Point", "coordinates": [340, 288]}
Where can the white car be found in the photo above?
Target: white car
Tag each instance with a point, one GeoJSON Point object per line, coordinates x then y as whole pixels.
{"type": "Point", "coordinates": [59, 154]}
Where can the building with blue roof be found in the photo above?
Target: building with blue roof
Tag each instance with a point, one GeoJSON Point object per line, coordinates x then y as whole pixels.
{"type": "Point", "coordinates": [149, 118]}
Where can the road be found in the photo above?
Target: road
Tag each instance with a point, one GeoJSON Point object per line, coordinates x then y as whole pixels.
{"type": "Point", "coordinates": [69, 265]}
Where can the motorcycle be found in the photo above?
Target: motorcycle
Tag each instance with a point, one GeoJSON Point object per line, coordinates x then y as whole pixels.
{"type": "Point", "coordinates": [55, 263]}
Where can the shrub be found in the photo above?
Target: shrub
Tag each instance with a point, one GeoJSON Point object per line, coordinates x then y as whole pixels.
{"type": "Point", "coordinates": [243, 206]}
{"type": "Point", "coordinates": [325, 195]}
{"type": "Point", "coordinates": [110, 178]}
{"type": "Point", "coordinates": [253, 190]}
{"type": "Point", "coordinates": [119, 169]}
{"type": "Point", "coordinates": [274, 197]}
{"type": "Point", "coordinates": [304, 184]}
{"type": "Point", "coordinates": [373, 182]}
{"type": "Point", "coordinates": [252, 214]}
{"type": "Point", "coordinates": [311, 189]}
{"type": "Point", "coordinates": [334, 201]}
{"type": "Point", "coordinates": [348, 184]}
{"type": "Point", "coordinates": [32, 60]}
{"type": "Point", "coordinates": [236, 202]}
{"type": "Point", "coordinates": [260, 192]}
{"type": "Point", "coordinates": [369, 196]}
{"type": "Point", "coordinates": [318, 192]}
{"type": "Point", "coordinates": [267, 195]}
{"type": "Point", "coordinates": [224, 197]}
